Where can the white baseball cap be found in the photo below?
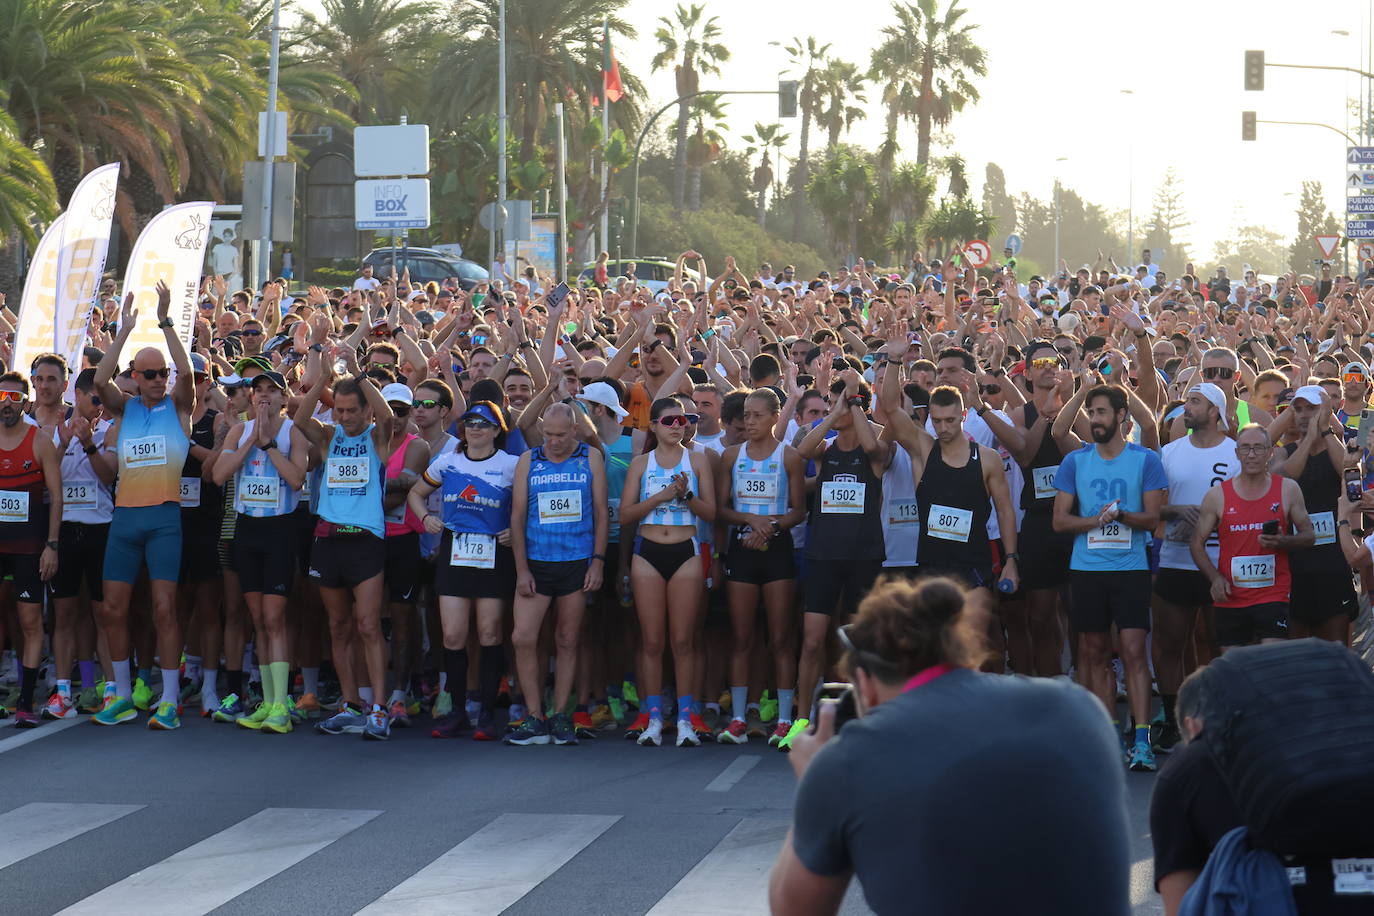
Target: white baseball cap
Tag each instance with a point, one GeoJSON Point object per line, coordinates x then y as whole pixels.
{"type": "Point", "coordinates": [398, 393]}
{"type": "Point", "coordinates": [603, 394]}
{"type": "Point", "coordinates": [1214, 394]}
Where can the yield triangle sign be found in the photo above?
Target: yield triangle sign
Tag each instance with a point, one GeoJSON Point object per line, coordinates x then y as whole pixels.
{"type": "Point", "coordinates": [1327, 244]}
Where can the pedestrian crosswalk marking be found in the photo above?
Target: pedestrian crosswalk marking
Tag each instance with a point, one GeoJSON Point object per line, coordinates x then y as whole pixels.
{"type": "Point", "coordinates": [733, 774]}
{"type": "Point", "coordinates": [494, 867]}
{"type": "Point", "coordinates": [219, 868]}
{"type": "Point", "coordinates": [740, 862]}
{"type": "Point", "coordinates": [37, 826]}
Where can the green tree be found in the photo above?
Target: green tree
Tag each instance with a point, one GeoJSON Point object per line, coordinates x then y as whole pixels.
{"type": "Point", "coordinates": [840, 90]}
{"type": "Point", "coordinates": [996, 200]}
{"type": "Point", "coordinates": [1263, 249]}
{"type": "Point", "coordinates": [27, 192]}
{"type": "Point", "coordinates": [692, 46]}
{"type": "Point", "coordinates": [1168, 221]}
{"type": "Point", "coordinates": [927, 64]}
{"type": "Point", "coordinates": [765, 136]}
{"type": "Point", "coordinates": [1313, 219]}
{"type": "Point", "coordinates": [843, 190]}
{"type": "Point", "coordinates": [958, 220]}
{"type": "Point", "coordinates": [705, 144]}
{"type": "Point", "coordinates": [806, 58]}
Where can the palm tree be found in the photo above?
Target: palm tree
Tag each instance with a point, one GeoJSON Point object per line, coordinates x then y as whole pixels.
{"type": "Point", "coordinates": [957, 172]}
{"type": "Point", "coordinates": [705, 144]}
{"type": "Point", "coordinates": [838, 86]}
{"type": "Point", "coordinates": [385, 49]}
{"type": "Point", "coordinates": [692, 47]}
{"type": "Point", "coordinates": [765, 136]}
{"type": "Point", "coordinates": [903, 238]}
{"type": "Point", "coordinates": [843, 190]}
{"type": "Point", "coordinates": [910, 191]}
{"type": "Point", "coordinates": [548, 60]}
{"type": "Point", "coordinates": [926, 63]}
{"type": "Point", "coordinates": [958, 221]}
{"type": "Point", "coordinates": [806, 58]}
{"type": "Point", "coordinates": [27, 192]}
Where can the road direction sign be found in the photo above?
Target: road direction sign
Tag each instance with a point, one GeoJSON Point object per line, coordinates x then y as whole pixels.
{"type": "Point", "coordinates": [1359, 228]}
{"type": "Point", "coordinates": [1359, 155]}
{"type": "Point", "coordinates": [978, 252]}
{"type": "Point", "coordinates": [1013, 244]}
{"type": "Point", "coordinates": [1362, 204]}
{"type": "Point", "coordinates": [1326, 244]}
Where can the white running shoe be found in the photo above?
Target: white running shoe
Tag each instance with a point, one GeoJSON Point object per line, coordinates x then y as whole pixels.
{"type": "Point", "coordinates": [653, 734]}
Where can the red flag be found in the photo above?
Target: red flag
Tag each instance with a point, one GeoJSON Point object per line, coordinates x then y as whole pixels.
{"type": "Point", "coordinates": [610, 70]}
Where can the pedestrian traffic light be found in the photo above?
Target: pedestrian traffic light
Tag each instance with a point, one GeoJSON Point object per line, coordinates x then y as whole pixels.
{"type": "Point", "coordinates": [1254, 70]}
{"type": "Point", "coordinates": [787, 98]}
{"type": "Point", "coordinates": [1247, 125]}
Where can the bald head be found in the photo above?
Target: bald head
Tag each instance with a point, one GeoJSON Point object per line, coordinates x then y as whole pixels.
{"type": "Point", "coordinates": [149, 358]}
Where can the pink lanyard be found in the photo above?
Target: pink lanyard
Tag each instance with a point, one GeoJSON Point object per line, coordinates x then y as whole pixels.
{"type": "Point", "coordinates": [922, 678]}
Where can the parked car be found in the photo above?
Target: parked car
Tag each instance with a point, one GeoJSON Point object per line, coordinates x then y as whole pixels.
{"type": "Point", "coordinates": [426, 264]}
{"type": "Point", "coordinates": [651, 272]}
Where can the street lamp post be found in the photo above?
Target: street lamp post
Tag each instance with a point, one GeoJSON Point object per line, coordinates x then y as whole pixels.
{"type": "Point", "coordinates": [269, 158]}
{"type": "Point", "coordinates": [1056, 212]}
{"type": "Point", "coordinates": [1130, 197]}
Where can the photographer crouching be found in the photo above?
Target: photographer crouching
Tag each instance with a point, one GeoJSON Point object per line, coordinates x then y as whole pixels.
{"type": "Point", "coordinates": [952, 792]}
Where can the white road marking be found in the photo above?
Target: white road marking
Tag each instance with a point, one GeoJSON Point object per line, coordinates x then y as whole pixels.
{"type": "Point", "coordinates": [732, 774]}
{"type": "Point", "coordinates": [35, 827]}
{"type": "Point", "coordinates": [739, 862]}
{"type": "Point", "coordinates": [45, 730]}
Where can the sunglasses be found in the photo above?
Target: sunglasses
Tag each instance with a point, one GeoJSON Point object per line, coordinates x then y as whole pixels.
{"type": "Point", "coordinates": [427, 403]}
{"type": "Point", "coordinates": [388, 366]}
{"type": "Point", "coordinates": [1067, 351]}
{"type": "Point", "coordinates": [1221, 372]}
{"type": "Point", "coordinates": [151, 374]}
{"type": "Point", "coordinates": [588, 381]}
{"type": "Point", "coordinates": [693, 418]}
{"type": "Point", "coordinates": [478, 424]}
{"type": "Point", "coordinates": [675, 420]}
{"type": "Point", "coordinates": [990, 389]}
{"type": "Point", "coordinates": [202, 377]}
{"type": "Point", "coordinates": [16, 396]}
{"type": "Point", "coordinates": [1353, 377]}
{"type": "Point", "coordinates": [95, 400]}
{"type": "Point", "coordinates": [400, 410]}
{"type": "Point", "coordinates": [250, 333]}
{"type": "Point", "coordinates": [1045, 362]}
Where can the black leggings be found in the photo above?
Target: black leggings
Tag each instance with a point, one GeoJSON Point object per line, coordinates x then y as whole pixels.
{"type": "Point", "coordinates": [666, 559]}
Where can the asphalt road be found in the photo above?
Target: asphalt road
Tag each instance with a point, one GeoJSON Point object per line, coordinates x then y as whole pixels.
{"type": "Point", "coordinates": [212, 817]}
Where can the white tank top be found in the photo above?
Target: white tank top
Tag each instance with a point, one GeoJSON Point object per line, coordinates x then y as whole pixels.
{"type": "Point", "coordinates": [656, 478]}
{"type": "Point", "coordinates": [760, 487]}
{"type": "Point", "coordinates": [259, 490]}
{"type": "Point", "coordinates": [1192, 471]}
{"type": "Point", "coordinates": [84, 498]}
{"type": "Point", "coordinates": [901, 520]}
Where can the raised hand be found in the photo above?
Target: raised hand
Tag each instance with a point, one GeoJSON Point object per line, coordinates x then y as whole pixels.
{"type": "Point", "coordinates": [164, 300]}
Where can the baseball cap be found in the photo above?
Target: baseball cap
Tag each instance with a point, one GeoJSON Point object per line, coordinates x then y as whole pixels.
{"type": "Point", "coordinates": [398, 393]}
{"type": "Point", "coordinates": [232, 381]}
{"type": "Point", "coordinates": [482, 410]}
{"type": "Point", "coordinates": [274, 377]}
{"type": "Point", "coordinates": [424, 317]}
{"type": "Point", "coordinates": [1214, 394]}
{"type": "Point", "coordinates": [199, 363]}
{"type": "Point", "coordinates": [603, 394]}
{"type": "Point", "coordinates": [252, 362]}
{"type": "Point", "coordinates": [1355, 367]}
{"type": "Point", "coordinates": [1312, 394]}
{"type": "Point", "coordinates": [416, 294]}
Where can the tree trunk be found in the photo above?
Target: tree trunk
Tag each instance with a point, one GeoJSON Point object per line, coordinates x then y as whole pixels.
{"type": "Point", "coordinates": [799, 171]}
{"type": "Point", "coordinates": [680, 159]}
{"type": "Point", "coordinates": [763, 209]}
{"type": "Point", "coordinates": [694, 188]}
{"type": "Point", "coordinates": [924, 113]}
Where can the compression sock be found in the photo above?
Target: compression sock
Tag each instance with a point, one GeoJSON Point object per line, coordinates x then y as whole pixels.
{"type": "Point", "coordinates": [234, 680]}
{"type": "Point", "coordinates": [1167, 700]}
{"type": "Point", "coordinates": [281, 681]}
{"type": "Point", "coordinates": [146, 676]}
{"type": "Point", "coordinates": [456, 665]}
{"type": "Point", "coordinates": [64, 688]}
{"type": "Point", "coordinates": [492, 660]}
{"type": "Point", "coordinates": [124, 686]}
{"type": "Point", "coordinates": [88, 676]}
{"type": "Point", "coordinates": [443, 681]}
{"type": "Point", "coordinates": [654, 707]}
{"type": "Point", "coordinates": [28, 679]}
{"type": "Point", "coordinates": [310, 678]}
{"type": "Point", "coordinates": [785, 701]}
{"type": "Point", "coordinates": [210, 685]}
{"type": "Point", "coordinates": [684, 706]}
{"type": "Point", "coordinates": [739, 702]}
{"type": "Point", "coordinates": [171, 685]}
{"type": "Point", "coordinates": [1142, 734]}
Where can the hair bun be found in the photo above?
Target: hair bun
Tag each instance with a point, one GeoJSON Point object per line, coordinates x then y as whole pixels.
{"type": "Point", "coordinates": [938, 599]}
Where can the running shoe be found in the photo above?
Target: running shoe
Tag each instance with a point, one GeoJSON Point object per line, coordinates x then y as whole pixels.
{"type": "Point", "coordinates": [473, 708]}
{"type": "Point", "coordinates": [583, 725]}
{"type": "Point", "coordinates": [143, 694]}
{"type": "Point", "coordinates": [515, 714]}
{"type": "Point", "coordinates": [256, 718]}
{"type": "Point", "coordinates": [753, 723]}
{"type": "Point", "coordinates": [11, 698]}
{"type": "Point", "coordinates": [1168, 739]}
{"type": "Point", "coordinates": [486, 728]}
{"type": "Point", "coordinates": [377, 726]}
{"type": "Point", "coordinates": [652, 733]}
{"type": "Point", "coordinates": [724, 702]}
{"type": "Point", "coordinates": [398, 714]}
{"type": "Point", "coordinates": [638, 726]}
{"type": "Point", "coordinates": [687, 734]}
{"type": "Point", "coordinates": [561, 729]}
{"type": "Point", "coordinates": [59, 707]}
{"type": "Point", "coordinates": [779, 733]}
{"type": "Point", "coordinates": [90, 699]}
{"type": "Point", "coordinates": [768, 707]}
{"type": "Point", "coordinates": [443, 706]}
{"type": "Point", "coordinates": [1120, 671]}
{"type": "Point", "coordinates": [700, 728]}
{"type": "Point", "coordinates": [308, 706]}
{"type": "Point", "coordinates": [531, 730]}
{"type": "Point", "coordinates": [451, 726]}
{"type": "Point", "coordinates": [230, 709]}
{"type": "Point", "coordinates": [1143, 758]}
{"type": "Point", "coordinates": [190, 694]}
{"type": "Point", "coordinates": [602, 718]}
{"type": "Point", "coordinates": [630, 693]}
{"type": "Point", "coordinates": [347, 721]}
{"type": "Point", "coordinates": [165, 719]}
{"type": "Point", "coordinates": [297, 717]}
{"type": "Point", "coordinates": [618, 709]}
{"type": "Point", "coordinates": [412, 705]}
{"type": "Point", "coordinates": [734, 733]}
{"type": "Point", "coordinates": [278, 720]}
{"type": "Point", "coordinates": [798, 726]}
{"type": "Point", "coordinates": [24, 718]}
{"type": "Point", "coordinates": [115, 711]}
{"type": "Point", "coordinates": [4, 713]}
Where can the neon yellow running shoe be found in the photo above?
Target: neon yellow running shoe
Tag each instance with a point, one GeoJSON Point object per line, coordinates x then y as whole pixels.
{"type": "Point", "coordinates": [798, 726]}
{"type": "Point", "coordinates": [277, 721]}
{"type": "Point", "coordinates": [258, 717]}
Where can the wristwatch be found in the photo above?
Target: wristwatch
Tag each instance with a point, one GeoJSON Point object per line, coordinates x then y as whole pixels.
{"type": "Point", "coordinates": [51, 545]}
{"type": "Point", "coordinates": [981, 409]}
{"type": "Point", "coordinates": [166, 323]}
{"type": "Point", "coordinates": [1012, 556]}
{"type": "Point", "coordinates": [1328, 432]}
{"type": "Point", "coordinates": [316, 348]}
{"type": "Point", "coordinates": [90, 449]}
{"type": "Point", "coordinates": [855, 401]}
{"type": "Point", "coordinates": [269, 446]}
{"type": "Point", "coordinates": [1344, 521]}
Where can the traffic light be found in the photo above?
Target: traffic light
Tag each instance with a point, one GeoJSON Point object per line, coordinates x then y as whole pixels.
{"type": "Point", "coordinates": [1254, 70]}
{"type": "Point", "coordinates": [787, 98]}
{"type": "Point", "coordinates": [1247, 125]}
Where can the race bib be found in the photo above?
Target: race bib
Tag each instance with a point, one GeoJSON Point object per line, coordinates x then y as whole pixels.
{"type": "Point", "coordinates": [1353, 876]}
{"type": "Point", "coordinates": [477, 551]}
{"type": "Point", "coordinates": [190, 492]}
{"type": "Point", "coordinates": [78, 496]}
{"type": "Point", "coordinates": [14, 506]}
{"type": "Point", "coordinates": [1043, 478]}
{"type": "Point", "coordinates": [902, 512]}
{"type": "Point", "coordinates": [396, 516]}
{"type": "Point", "coordinates": [843, 497]}
{"type": "Point", "coordinates": [614, 506]}
{"type": "Point", "coordinates": [1111, 536]}
{"type": "Point", "coordinates": [653, 487]}
{"type": "Point", "coordinates": [259, 492]}
{"type": "Point", "coordinates": [756, 488]}
{"type": "Point", "coordinates": [150, 451]}
{"type": "Point", "coordinates": [1324, 525]}
{"type": "Point", "coordinates": [347, 473]}
{"type": "Point", "coordinates": [305, 487]}
{"type": "Point", "coordinates": [949, 524]}
{"type": "Point", "coordinates": [1252, 572]}
{"type": "Point", "coordinates": [560, 507]}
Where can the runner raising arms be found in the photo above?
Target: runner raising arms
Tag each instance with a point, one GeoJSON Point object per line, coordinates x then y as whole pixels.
{"type": "Point", "coordinates": [666, 491]}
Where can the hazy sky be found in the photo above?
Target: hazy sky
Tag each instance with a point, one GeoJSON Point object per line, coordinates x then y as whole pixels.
{"type": "Point", "coordinates": [1056, 72]}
